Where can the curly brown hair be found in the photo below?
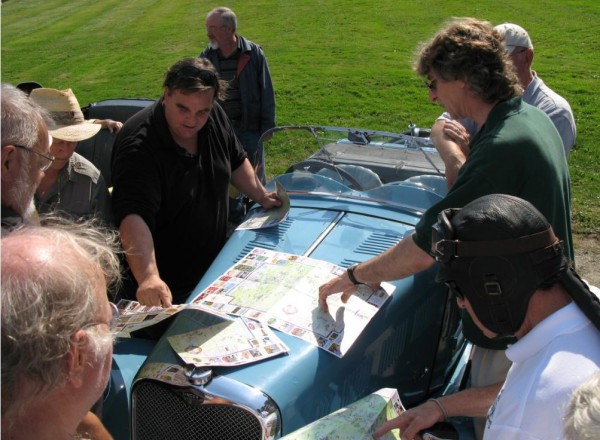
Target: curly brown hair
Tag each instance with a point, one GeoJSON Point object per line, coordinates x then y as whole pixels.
{"type": "Point", "coordinates": [470, 50]}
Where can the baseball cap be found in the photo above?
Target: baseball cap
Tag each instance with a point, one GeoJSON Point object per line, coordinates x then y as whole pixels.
{"type": "Point", "coordinates": [514, 36]}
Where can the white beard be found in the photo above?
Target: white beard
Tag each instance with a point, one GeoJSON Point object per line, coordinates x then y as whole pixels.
{"type": "Point", "coordinates": [31, 214]}
{"type": "Point", "coordinates": [213, 45]}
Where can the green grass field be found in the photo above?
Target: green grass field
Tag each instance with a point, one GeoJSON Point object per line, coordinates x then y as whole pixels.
{"type": "Point", "coordinates": [337, 62]}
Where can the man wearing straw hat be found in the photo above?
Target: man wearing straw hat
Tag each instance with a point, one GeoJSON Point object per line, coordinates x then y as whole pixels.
{"type": "Point", "coordinates": [72, 185]}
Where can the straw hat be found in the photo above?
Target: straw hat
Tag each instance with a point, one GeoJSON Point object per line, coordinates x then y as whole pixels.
{"type": "Point", "coordinates": [66, 113]}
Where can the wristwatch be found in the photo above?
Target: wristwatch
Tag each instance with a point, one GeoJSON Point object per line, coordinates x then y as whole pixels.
{"type": "Point", "coordinates": [350, 272]}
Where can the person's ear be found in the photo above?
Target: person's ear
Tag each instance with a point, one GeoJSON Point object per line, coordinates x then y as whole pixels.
{"type": "Point", "coordinates": [9, 163]}
{"type": "Point", "coordinates": [77, 358]}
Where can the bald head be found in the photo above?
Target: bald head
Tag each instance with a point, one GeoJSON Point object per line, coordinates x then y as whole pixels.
{"type": "Point", "coordinates": [54, 284]}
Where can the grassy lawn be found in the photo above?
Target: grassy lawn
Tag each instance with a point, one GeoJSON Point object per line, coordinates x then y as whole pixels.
{"type": "Point", "coordinates": [335, 62]}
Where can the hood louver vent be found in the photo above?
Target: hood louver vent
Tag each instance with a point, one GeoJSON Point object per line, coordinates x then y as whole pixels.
{"type": "Point", "coordinates": [269, 238]}
{"type": "Point", "coordinates": [375, 244]}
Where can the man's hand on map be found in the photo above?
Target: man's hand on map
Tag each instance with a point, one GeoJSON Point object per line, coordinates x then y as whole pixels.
{"type": "Point", "coordinates": [269, 200]}
{"type": "Point", "coordinates": [338, 284]}
{"type": "Point", "coordinates": [413, 421]}
{"type": "Point", "coordinates": [154, 292]}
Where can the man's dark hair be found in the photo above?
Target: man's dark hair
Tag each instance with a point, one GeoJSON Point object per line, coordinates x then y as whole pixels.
{"type": "Point", "coordinates": [470, 50]}
{"type": "Point", "coordinates": [191, 75]}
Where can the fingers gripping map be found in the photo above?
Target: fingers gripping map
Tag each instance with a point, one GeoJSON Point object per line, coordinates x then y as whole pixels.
{"type": "Point", "coordinates": [281, 290]}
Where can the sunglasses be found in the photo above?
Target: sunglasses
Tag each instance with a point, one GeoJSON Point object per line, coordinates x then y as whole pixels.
{"type": "Point", "coordinates": [431, 84]}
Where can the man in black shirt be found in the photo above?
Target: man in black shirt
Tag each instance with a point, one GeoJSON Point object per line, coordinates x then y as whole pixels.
{"type": "Point", "coordinates": [172, 164]}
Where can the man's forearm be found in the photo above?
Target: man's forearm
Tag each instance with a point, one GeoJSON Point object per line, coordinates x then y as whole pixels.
{"type": "Point", "coordinates": [139, 247]}
{"type": "Point", "coordinates": [401, 260]}
{"type": "Point", "coordinates": [451, 152]}
{"type": "Point", "coordinates": [472, 402]}
{"type": "Point", "coordinates": [245, 180]}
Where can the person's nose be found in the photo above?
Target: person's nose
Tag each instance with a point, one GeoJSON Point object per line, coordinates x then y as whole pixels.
{"type": "Point", "coordinates": [200, 120]}
{"type": "Point", "coordinates": [433, 95]}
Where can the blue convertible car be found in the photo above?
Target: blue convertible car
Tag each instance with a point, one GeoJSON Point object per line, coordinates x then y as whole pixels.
{"type": "Point", "coordinates": [359, 193]}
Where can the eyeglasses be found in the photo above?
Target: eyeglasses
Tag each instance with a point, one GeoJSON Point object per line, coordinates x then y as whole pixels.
{"type": "Point", "coordinates": [214, 28]}
{"type": "Point", "coordinates": [517, 52]}
{"type": "Point", "coordinates": [114, 319]}
{"type": "Point", "coordinates": [193, 73]}
{"type": "Point", "coordinates": [431, 84]}
{"type": "Point", "coordinates": [44, 165]}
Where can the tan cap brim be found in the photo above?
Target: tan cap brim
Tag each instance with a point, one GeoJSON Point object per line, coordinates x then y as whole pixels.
{"type": "Point", "coordinates": [76, 133]}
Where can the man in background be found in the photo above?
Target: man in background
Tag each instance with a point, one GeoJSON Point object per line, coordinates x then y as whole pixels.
{"type": "Point", "coordinates": [56, 330]}
{"type": "Point", "coordinates": [72, 185]}
{"type": "Point", "coordinates": [451, 137]}
{"type": "Point", "coordinates": [250, 100]}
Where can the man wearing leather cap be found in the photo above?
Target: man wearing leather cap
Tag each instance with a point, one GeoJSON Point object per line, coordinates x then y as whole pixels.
{"type": "Point", "coordinates": [501, 259]}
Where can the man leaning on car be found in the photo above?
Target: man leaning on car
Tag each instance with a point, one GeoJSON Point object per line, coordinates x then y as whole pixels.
{"type": "Point", "coordinates": [171, 168]}
{"type": "Point", "coordinates": [468, 72]}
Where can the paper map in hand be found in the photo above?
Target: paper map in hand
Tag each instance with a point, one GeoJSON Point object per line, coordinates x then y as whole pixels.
{"type": "Point", "coordinates": [264, 218]}
{"type": "Point", "coordinates": [282, 290]}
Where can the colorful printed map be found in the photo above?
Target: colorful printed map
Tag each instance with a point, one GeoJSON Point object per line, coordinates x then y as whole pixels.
{"type": "Point", "coordinates": [357, 421]}
{"type": "Point", "coordinates": [282, 290]}
{"type": "Point", "coordinates": [228, 343]}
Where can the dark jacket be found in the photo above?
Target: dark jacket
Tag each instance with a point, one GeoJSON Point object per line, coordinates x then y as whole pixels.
{"type": "Point", "coordinates": [256, 87]}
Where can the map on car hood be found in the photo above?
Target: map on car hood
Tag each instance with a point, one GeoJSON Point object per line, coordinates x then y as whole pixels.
{"type": "Point", "coordinates": [281, 290]}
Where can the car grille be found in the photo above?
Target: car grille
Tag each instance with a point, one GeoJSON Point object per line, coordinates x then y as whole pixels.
{"type": "Point", "coordinates": [164, 412]}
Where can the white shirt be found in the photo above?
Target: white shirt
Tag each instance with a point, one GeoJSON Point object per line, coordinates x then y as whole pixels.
{"type": "Point", "coordinates": [549, 362]}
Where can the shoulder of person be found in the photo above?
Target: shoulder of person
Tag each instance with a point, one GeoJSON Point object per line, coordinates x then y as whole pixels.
{"type": "Point", "coordinates": [208, 52]}
{"type": "Point", "coordinates": [81, 165]}
{"type": "Point", "coordinates": [248, 45]}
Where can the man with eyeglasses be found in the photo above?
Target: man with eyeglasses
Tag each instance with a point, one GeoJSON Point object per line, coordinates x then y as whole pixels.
{"type": "Point", "coordinates": [451, 137]}
{"type": "Point", "coordinates": [56, 329]}
{"type": "Point", "coordinates": [171, 168]}
{"type": "Point", "coordinates": [250, 100]}
{"type": "Point", "coordinates": [25, 155]}
{"type": "Point", "coordinates": [506, 268]}
{"type": "Point", "coordinates": [517, 152]}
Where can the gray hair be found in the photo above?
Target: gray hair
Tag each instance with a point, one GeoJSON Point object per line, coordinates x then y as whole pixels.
{"type": "Point", "coordinates": [228, 17]}
{"type": "Point", "coordinates": [22, 119]}
{"type": "Point", "coordinates": [582, 418]}
{"type": "Point", "coordinates": [49, 293]}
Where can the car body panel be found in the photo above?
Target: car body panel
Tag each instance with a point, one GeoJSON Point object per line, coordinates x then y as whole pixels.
{"type": "Point", "coordinates": [414, 343]}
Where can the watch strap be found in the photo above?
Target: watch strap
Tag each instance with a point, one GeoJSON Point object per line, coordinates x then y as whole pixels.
{"type": "Point", "coordinates": [350, 272]}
